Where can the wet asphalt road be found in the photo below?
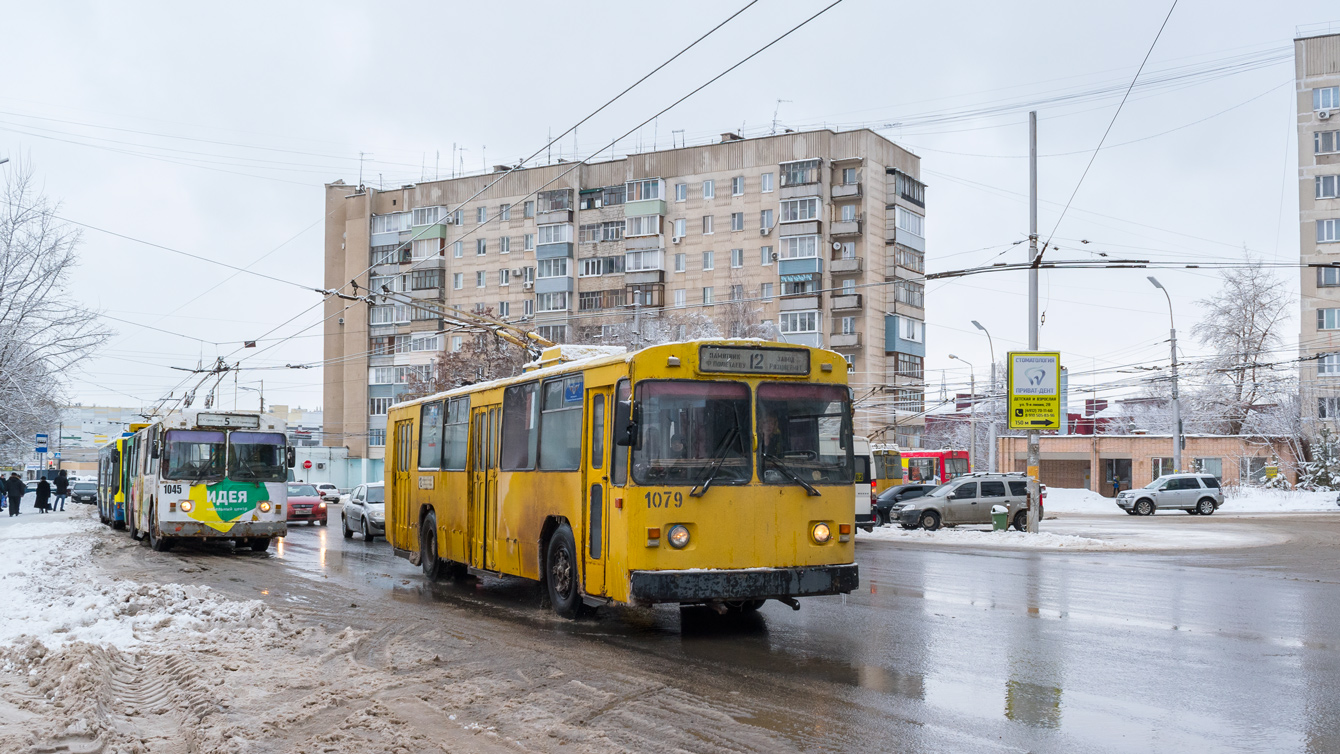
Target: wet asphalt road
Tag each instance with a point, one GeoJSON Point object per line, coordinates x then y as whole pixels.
{"type": "Point", "coordinates": [941, 649]}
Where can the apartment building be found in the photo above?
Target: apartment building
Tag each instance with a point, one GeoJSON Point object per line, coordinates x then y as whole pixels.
{"type": "Point", "coordinates": [813, 238]}
{"type": "Point", "coordinates": [1317, 79]}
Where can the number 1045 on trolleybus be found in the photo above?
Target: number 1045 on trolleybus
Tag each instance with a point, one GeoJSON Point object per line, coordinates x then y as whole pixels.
{"type": "Point", "coordinates": [712, 472]}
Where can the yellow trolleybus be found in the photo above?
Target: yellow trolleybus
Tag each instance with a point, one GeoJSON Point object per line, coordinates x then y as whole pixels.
{"type": "Point", "coordinates": [712, 472]}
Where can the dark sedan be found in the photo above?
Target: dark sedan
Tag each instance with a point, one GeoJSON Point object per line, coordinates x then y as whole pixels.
{"type": "Point", "coordinates": [84, 492]}
{"type": "Point", "coordinates": [893, 499]}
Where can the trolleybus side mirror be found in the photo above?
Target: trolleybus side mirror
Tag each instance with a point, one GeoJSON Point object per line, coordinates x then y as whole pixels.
{"type": "Point", "coordinates": [290, 456]}
{"type": "Point", "coordinates": [631, 426]}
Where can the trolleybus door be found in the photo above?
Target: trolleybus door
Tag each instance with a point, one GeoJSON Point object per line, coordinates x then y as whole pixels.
{"type": "Point", "coordinates": [596, 509]}
{"type": "Point", "coordinates": [404, 447]}
{"type": "Point", "coordinates": [483, 486]}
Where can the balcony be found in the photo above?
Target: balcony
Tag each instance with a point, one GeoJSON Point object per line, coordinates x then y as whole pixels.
{"type": "Point", "coordinates": [553, 216]}
{"type": "Point", "coordinates": [804, 302]}
{"type": "Point", "coordinates": [845, 228]}
{"type": "Point", "coordinates": [845, 266]}
{"type": "Point", "coordinates": [850, 301]}
{"type": "Point", "coordinates": [802, 228]}
{"type": "Point", "coordinates": [844, 341]}
{"type": "Point", "coordinates": [847, 190]}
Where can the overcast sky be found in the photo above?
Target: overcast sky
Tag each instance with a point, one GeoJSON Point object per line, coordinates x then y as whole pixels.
{"type": "Point", "coordinates": [210, 129]}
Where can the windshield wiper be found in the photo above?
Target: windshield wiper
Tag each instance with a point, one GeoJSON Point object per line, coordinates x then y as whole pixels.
{"type": "Point", "coordinates": [718, 459]}
{"type": "Point", "coordinates": [793, 476]}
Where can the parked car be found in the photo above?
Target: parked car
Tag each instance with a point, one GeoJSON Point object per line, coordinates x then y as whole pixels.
{"type": "Point", "coordinates": [365, 511]}
{"type": "Point", "coordinates": [84, 492]}
{"type": "Point", "coordinates": [1197, 494]}
{"type": "Point", "coordinates": [329, 492]}
{"type": "Point", "coordinates": [892, 500]}
{"type": "Point", "coordinates": [305, 504]}
{"type": "Point", "coordinates": [968, 499]}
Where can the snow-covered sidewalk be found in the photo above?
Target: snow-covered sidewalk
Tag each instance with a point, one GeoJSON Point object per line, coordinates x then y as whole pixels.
{"type": "Point", "coordinates": [1236, 500]}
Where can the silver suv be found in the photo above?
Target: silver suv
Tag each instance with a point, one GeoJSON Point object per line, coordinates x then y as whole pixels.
{"type": "Point", "coordinates": [1197, 494]}
{"type": "Point", "coordinates": [968, 499]}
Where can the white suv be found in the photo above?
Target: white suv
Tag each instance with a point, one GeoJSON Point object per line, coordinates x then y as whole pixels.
{"type": "Point", "coordinates": [1197, 494]}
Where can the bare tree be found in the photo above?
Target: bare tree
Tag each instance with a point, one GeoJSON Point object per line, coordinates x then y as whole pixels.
{"type": "Point", "coordinates": [1243, 324]}
{"type": "Point", "coordinates": [483, 356]}
{"type": "Point", "coordinates": [42, 329]}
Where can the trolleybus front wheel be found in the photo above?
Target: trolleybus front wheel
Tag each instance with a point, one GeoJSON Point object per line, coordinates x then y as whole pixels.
{"type": "Point", "coordinates": [259, 544]}
{"type": "Point", "coordinates": [561, 573]}
{"type": "Point", "coordinates": [157, 542]}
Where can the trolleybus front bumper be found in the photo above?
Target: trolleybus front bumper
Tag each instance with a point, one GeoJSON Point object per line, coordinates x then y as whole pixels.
{"type": "Point", "coordinates": [646, 587]}
{"type": "Point", "coordinates": [240, 530]}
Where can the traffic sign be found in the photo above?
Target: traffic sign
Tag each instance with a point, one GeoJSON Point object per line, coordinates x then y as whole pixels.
{"type": "Point", "coordinates": [41, 443]}
{"type": "Point", "coordinates": [1034, 379]}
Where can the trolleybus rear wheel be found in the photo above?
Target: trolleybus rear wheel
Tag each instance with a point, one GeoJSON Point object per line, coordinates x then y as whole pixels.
{"type": "Point", "coordinates": [561, 573]}
{"type": "Point", "coordinates": [434, 568]}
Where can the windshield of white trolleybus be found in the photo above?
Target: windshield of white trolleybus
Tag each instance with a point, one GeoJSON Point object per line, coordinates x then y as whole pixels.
{"type": "Point", "coordinates": [804, 434]}
{"type": "Point", "coordinates": [257, 457]}
{"type": "Point", "coordinates": [194, 455]}
{"type": "Point", "coordinates": [692, 433]}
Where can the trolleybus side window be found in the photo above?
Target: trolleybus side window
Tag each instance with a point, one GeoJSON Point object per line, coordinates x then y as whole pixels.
{"type": "Point", "coordinates": [955, 467]}
{"type": "Point", "coordinates": [623, 415]}
{"type": "Point", "coordinates": [804, 433]}
{"type": "Point", "coordinates": [257, 456]}
{"type": "Point", "coordinates": [561, 425]}
{"type": "Point", "coordinates": [456, 434]}
{"type": "Point", "coordinates": [194, 455]}
{"type": "Point", "coordinates": [690, 431]}
{"type": "Point", "coordinates": [430, 435]}
{"type": "Point", "coordinates": [520, 430]}
{"type": "Point", "coordinates": [598, 432]}
{"type": "Point", "coordinates": [921, 470]}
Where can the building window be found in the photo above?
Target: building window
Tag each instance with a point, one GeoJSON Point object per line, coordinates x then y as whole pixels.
{"type": "Point", "coordinates": [707, 225]}
{"type": "Point", "coordinates": [737, 257]}
{"type": "Point", "coordinates": [766, 291]}
{"type": "Point", "coordinates": [1328, 363]}
{"type": "Point", "coordinates": [913, 330]}
{"type": "Point", "coordinates": [848, 325]}
{"type": "Point", "coordinates": [643, 190]}
{"type": "Point", "coordinates": [481, 214]}
{"type": "Point", "coordinates": [427, 216]}
{"type": "Point", "coordinates": [458, 217]}
{"type": "Point", "coordinates": [528, 209]}
{"type": "Point", "coordinates": [553, 333]}
{"type": "Point", "coordinates": [849, 176]}
{"type": "Point", "coordinates": [848, 287]}
{"type": "Point", "coordinates": [613, 196]}
{"type": "Point", "coordinates": [911, 259]}
{"type": "Point", "coordinates": [709, 189]}
{"type": "Point", "coordinates": [424, 248]}
{"type": "Point", "coordinates": [910, 293]}
{"type": "Point", "coordinates": [504, 276]}
{"type": "Point", "coordinates": [457, 249]}
{"type": "Point", "coordinates": [850, 358]}
{"type": "Point", "coordinates": [505, 212]}
{"type": "Point", "coordinates": [800, 247]}
{"type": "Point", "coordinates": [1326, 98]}
{"type": "Point", "coordinates": [1328, 186]}
{"type": "Point", "coordinates": [799, 210]}
{"type": "Point", "coordinates": [765, 256]}
{"type": "Point", "coordinates": [504, 308]}
{"type": "Point", "coordinates": [765, 183]}
{"type": "Point", "coordinates": [422, 280]}
{"type": "Point", "coordinates": [642, 225]}
{"type": "Point", "coordinates": [910, 222]}
{"type": "Point", "coordinates": [392, 223]}
{"type": "Point", "coordinates": [911, 189]}
{"type": "Point", "coordinates": [681, 192]}
{"type": "Point", "coordinates": [709, 260]}
{"type": "Point", "coordinates": [848, 213]}
{"type": "Point", "coordinates": [800, 285]}
{"type": "Point", "coordinates": [590, 268]}
{"type": "Point", "coordinates": [1328, 277]}
{"type": "Point", "coordinates": [765, 219]}
{"type": "Point", "coordinates": [1328, 231]}
{"type": "Point", "coordinates": [458, 281]}
{"type": "Point", "coordinates": [552, 268]}
{"type": "Point", "coordinates": [588, 233]}
{"type": "Point", "coordinates": [505, 245]}
{"type": "Point", "coordinates": [552, 302]}
{"type": "Point", "coordinates": [383, 283]}
{"type": "Point", "coordinates": [708, 295]}
{"type": "Point", "coordinates": [1328, 408]}
{"type": "Point", "coordinates": [481, 279]}
{"type": "Point", "coordinates": [737, 293]}
{"type": "Point", "coordinates": [385, 254]}
{"type": "Point", "coordinates": [737, 186]}
{"type": "Point", "coordinates": [1326, 142]}
{"type": "Point", "coordinates": [428, 343]}
{"type": "Point", "coordinates": [1328, 319]}
{"type": "Point", "coordinates": [681, 228]}
{"type": "Point", "coordinates": [456, 342]}
{"type": "Point", "coordinates": [800, 173]}
{"type": "Point", "coordinates": [382, 375]}
{"type": "Point", "coordinates": [527, 242]}
{"type": "Point", "coordinates": [793, 323]}
{"type": "Point", "coordinates": [481, 247]}
{"type": "Point", "coordinates": [847, 251]}
{"type": "Point", "coordinates": [737, 221]}
{"type": "Point", "coordinates": [680, 262]}
{"type": "Point", "coordinates": [528, 274]}
{"type": "Point", "coordinates": [907, 365]}
{"type": "Point", "coordinates": [680, 297]}
{"type": "Point", "coordinates": [528, 307]}
{"type": "Point", "coordinates": [377, 438]}
{"type": "Point", "coordinates": [382, 315]}
{"type": "Point", "coordinates": [644, 261]}
{"type": "Point", "coordinates": [555, 200]}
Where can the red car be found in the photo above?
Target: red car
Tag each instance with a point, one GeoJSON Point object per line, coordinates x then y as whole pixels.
{"type": "Point", "coordinates": [305, 504]}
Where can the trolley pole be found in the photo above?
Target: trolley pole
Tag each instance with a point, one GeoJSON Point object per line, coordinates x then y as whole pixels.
{"type": "Point", "coordinates": [1034, 453]}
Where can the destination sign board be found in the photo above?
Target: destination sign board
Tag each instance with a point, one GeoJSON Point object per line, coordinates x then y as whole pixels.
{"type": "Point", "coordinates": [754, 360]}
{"type": "Point", "coordinates": [236, 421]}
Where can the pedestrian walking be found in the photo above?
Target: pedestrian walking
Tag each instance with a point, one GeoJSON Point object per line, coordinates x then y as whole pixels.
{"type": "Point", "coordinates": [42, 499]}
{"type": "Point", "coordinates": [15, 487]}
{"type": "Point", "coordinates": [1116, 486]}
{"type": "Point", "coordinates": [62, 490]}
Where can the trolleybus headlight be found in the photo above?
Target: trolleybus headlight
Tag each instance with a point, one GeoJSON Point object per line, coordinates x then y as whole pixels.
{"type": "Point", "coordinates": [265, 507]}
{"type": "Point", "coordinates": [822, 533]}
{"type": "Point", "coordinates": [186, 506]}
{"type": "Point", "coordinates": [679, 536]}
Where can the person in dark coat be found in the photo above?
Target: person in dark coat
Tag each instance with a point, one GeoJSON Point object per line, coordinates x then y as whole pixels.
{"type": "Point", "coordinates": [16, 488]}
{"type": "Point", "coordinates": [40, 500]}
{"type": "Point", "coordinates": [62, 490]}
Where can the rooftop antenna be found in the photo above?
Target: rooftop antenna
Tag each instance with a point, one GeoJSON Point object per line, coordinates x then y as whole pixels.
{"type": "Point", "coordinates": [423, 166]}
{"type": "Point", "coordinates": [655, 133]}
{"type": "Point", "coordinates": [437, 163]}
{"type": "Point", "coordinates": [775, 111]}
{"type": "Point", "coordinates": [679, 131]}
{"type": "Point", "coordinates": [549, 156]}
{"type": "Point", "coordinates": [453, 159]}
{"type": "Point", "coordinates": [484, 157]}
{"type": "Point", "coordinates": [361, 157]}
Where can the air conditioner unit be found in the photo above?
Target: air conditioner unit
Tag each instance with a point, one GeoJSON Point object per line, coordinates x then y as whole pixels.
{"type": "Point", "coordinates": [516, 272]}
{"type": "Point", "coordinates": [764, 231]}
{"type": "Point", "coordinates": [321, 465]}
{"type": "Point", "coordinates": [1323, 114]}
{"type": "Point", "coordinates": [528, 285]}
{"type": "Point", "coordinates": [774, 256]}
{"type": "Point", "coordinates": [675, 239]}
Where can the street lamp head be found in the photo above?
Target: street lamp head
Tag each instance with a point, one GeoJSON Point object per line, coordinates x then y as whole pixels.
{"type": "Point", "coordinates": [1156, 282]}
{"type": "Point", "coordinates": [978, 325]}
{"type": "Point", "coordinates": [952, 356]}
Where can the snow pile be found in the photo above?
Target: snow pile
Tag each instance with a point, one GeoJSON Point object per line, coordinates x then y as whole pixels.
{"type": "Point", "coordinates": [1258, 500]}
{"type": "Point", "coordinates": [1061, 500]}
{"type": "Point", "coordinates": [1011, 539]}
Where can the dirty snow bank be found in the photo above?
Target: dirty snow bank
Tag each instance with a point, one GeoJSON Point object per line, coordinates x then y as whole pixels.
{"type": "Point", "coordinates": [1236, 500]}
{"type": "Point", "coordinates": [1003, 539]}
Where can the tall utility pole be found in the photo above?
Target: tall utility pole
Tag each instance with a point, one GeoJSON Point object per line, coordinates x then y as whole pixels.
{"type": "Point", "coordinates": [992, 391]}
{"type": "Point", "coordinates": [1034, 453]}
{"type": "Point", "coordinates": [972, 414]}
{"type": "Point", "coordinates": [1176, 405]}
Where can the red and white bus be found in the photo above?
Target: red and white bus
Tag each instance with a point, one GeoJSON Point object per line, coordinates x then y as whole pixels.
{"type": "Point", "coordinates": [933, 466]}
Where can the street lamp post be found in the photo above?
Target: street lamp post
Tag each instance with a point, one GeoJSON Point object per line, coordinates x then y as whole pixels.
{"type": "Point", "coordinates": [992, 346]}
{"type": "Point", "coordinates": [1176, 405]}
{"type": "Point", "coordinates": [972, 414]}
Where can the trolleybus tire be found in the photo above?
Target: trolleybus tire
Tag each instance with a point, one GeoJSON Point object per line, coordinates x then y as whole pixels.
{"type": "Point", "coordinates": [560, 573]}
{"type": "Point", "coordinates": [259, 544]}
{"type": "Point", "coordinates": [130, 524]}
{"type": "Point", "coordinates": [744, 606]}
{"type": "Point", "coordinates": [344, 525]}
{"type": "Point", "coordinates": [157, 542]}
{"type": "Point", "coordinates": [434, 568]}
